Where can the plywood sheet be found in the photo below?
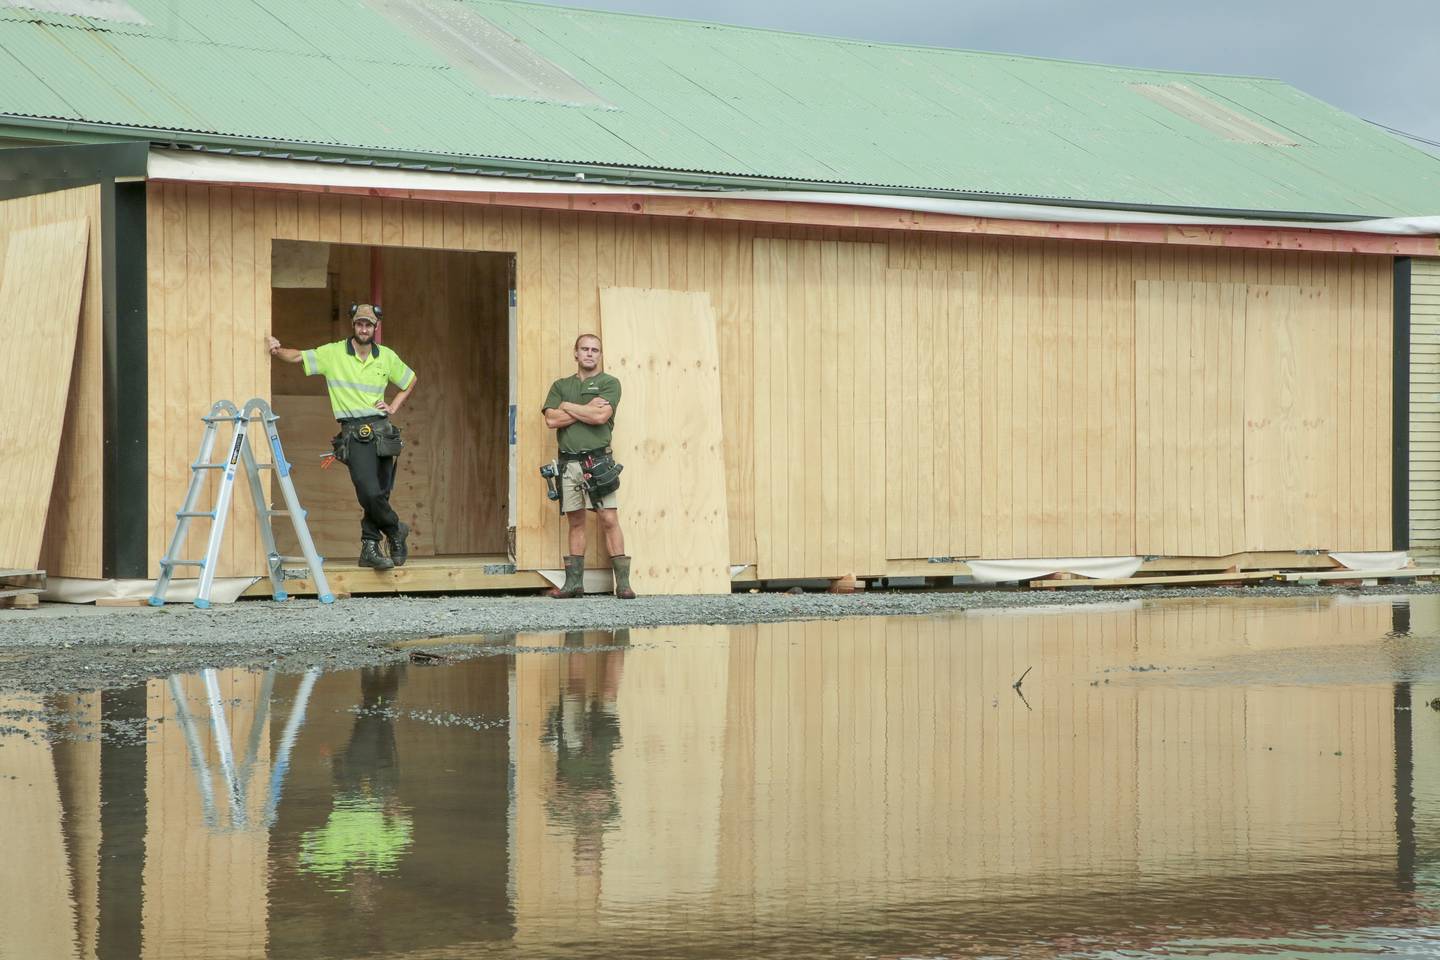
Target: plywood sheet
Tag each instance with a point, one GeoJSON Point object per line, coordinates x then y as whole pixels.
{"type": "Point", "coordinates": [72, 543]}
{"type": "Point", "coordinates": [41, 290]}
{"type": "Point", "coordinates": [669, 435]}
{"type": "Point", "coordinates": [1291, 441]}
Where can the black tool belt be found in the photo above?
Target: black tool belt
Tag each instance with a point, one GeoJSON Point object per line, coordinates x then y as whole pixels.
{"type": "Point", "coordinates": [583, 455]}
{"type": "Point", "coordinates": [599, 473]}
{"type": "Point", "coordinates": [378, 430]}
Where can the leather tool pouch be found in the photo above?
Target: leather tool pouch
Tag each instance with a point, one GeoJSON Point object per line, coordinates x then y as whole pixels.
{"type": "Point", "coordinates": [387, 439]}
{"type": "Point", "coordinates": [602, 475]}
{"type": "Point", "coordinates": [340, 444]}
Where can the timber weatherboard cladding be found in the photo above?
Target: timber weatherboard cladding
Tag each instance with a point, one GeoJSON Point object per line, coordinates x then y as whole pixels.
{"type": "Point", "coordinates": [1068, 387]}
{"type": "Point", "coordinates": [1425, 405]}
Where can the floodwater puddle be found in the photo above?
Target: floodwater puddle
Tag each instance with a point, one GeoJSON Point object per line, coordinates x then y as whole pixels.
{"type": "Point", "coordinates": [1171, 778]}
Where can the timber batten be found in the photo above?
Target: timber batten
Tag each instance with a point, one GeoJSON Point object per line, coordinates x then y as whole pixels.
{"type": "Point", "coordinates": [1079, 356]}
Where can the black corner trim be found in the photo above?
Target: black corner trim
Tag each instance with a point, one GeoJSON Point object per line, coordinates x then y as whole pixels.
{"type": "Point", "coordinates": [27, 171]}
{"type": "Point", "coordinates": [125, 538]}
{"type": "Point", "coordinates": [1400, 413]}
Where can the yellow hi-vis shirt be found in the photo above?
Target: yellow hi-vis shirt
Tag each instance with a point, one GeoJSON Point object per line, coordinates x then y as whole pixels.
{"type": "Point", "coordinates": [354, 384]}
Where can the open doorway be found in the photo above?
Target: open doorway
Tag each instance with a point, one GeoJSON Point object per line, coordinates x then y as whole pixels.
{"type": "Point", "coordinates": [447, 315]}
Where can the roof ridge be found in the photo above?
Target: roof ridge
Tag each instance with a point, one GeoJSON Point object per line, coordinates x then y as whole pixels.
{"type": "Point", "coordinates": [860, 41]}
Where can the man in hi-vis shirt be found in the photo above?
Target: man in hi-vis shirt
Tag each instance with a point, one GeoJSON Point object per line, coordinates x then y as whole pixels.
{"type": "Point", "coordinates": [357, 371]}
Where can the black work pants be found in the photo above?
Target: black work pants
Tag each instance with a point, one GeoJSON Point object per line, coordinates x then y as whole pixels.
{"type": "Point", "coordinates": [374, 478]}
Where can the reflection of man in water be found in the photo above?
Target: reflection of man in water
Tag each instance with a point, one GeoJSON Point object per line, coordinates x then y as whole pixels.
{"type": "Point", "coordinates": [367, 832]}
{"type": "Point", "coordinates": [584, 729]}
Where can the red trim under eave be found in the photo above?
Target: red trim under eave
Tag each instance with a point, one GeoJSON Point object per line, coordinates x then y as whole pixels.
{"type": "Point", "coordinates": [877, 218]}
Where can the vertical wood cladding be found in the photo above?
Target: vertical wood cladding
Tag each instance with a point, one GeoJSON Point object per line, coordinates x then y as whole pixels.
{"type": "Point", "coordinates": [1059, 398]}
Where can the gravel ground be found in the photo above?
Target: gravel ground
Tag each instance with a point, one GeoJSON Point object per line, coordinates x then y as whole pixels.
{"type": "Point", "coordinates": [62, 648]}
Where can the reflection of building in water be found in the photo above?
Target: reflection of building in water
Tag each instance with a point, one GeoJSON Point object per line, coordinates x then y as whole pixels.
{"type": "Point", "coordinates": [402, 807]}
{"type": "Point", "coordinates": [752, 789]}
{"type": "Point", "coordinates": [813, 770]}
{"type": "Point", "coordinates": [583, 728]}
{"type": "Point", "coordinates": [205, 877]}
{"type": "Point", "coordinates": [368, 830]}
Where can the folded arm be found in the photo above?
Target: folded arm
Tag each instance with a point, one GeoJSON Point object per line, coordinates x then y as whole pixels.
{"type": "Point", "coordinates": [556, 418]}
{"type": "Point", "coordinates": [596, 412]}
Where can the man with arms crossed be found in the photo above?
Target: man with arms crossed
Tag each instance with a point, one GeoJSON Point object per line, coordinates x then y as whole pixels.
{"type": "Point", "coordinates": [357, 370]}
{"type": "Point", "coordinates": [581, 411]}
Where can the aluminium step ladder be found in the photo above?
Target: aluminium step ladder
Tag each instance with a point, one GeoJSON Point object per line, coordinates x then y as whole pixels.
{"type": "Point", "coordinates": [240, 457]}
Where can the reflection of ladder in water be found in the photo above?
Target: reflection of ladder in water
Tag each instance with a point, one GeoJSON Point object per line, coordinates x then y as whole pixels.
{"type": "Point", "coordinates": [238, 775]}
{"type": "Point", "coordinates": [240, 456]}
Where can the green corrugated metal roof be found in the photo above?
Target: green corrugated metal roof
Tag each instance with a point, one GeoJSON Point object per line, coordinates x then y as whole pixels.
{"type": "Point", "coordinates": [697, 98]}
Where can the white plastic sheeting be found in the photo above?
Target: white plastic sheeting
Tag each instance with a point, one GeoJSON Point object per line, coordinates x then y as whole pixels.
{"type": "Point", "coordinates": [996, 571]}
{"type": "Point", "coordinates": [221, 168]}
{"type": "Point", "coordinates": [74, 590]}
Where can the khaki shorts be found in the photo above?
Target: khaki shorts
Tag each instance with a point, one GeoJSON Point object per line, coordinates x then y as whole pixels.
{"type": "Point", "coordinates": [572, 492]}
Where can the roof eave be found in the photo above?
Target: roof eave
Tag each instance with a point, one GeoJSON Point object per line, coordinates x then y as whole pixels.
{"type": "Point", "coordinates": [588, 172]}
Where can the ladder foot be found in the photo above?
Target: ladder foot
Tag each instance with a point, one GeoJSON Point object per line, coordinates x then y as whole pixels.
{"type": "Point", "coordinates": [281, 595]}
{"type": "Point", "coordinates": [327, 598]}
{"type": "Point", "coordinates": [202, 604]}
{"type": "Point", "coordinates": [155, 602]}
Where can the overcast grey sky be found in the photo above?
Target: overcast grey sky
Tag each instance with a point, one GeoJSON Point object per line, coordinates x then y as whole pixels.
{"type": "Point", "coordinates": [1379, 60]}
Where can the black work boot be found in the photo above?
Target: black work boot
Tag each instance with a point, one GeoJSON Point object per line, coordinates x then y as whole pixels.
{"type": "Point", "coordinates": [574, 580]}
{"type": "Point", "coordinates": [370, 556]}
{"type": "Point", "coordinates": [399, 549]}
{"type": "Point", "coordinates": [621, 567]}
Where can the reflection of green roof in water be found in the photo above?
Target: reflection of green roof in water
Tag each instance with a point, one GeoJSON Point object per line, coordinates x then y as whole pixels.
{"type": "Point", "coordinates": [359, 835]}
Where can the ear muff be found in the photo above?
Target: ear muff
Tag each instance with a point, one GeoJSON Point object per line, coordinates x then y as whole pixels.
{"type": "Point", "coordinates": [379, 313]}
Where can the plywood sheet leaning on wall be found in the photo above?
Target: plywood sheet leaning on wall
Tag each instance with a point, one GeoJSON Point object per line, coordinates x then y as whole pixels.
{"type": "Point", "coordinates": [1291, 441]}
{"type": "Point", "coordinates": [41, 290]}
{"type": "Point", "coordinates": [661, 344]}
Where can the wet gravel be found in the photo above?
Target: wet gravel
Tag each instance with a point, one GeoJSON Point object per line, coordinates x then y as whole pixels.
{"type": "Point", "coordinates": [57, 649]}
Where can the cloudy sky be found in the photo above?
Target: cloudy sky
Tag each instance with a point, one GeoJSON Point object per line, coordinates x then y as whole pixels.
{"type": "Point", "coordinates": [1379, 60]}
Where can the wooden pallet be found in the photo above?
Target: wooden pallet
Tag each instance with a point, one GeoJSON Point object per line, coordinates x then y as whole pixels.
{"type": "Point", "coordinates": [21, 589]}
{"type": "Point", "coordinates": [1192, 580]}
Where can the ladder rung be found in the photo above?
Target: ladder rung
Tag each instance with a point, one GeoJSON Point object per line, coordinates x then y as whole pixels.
{"type": "Point", "coordinates": [208, 466]}
{"type": "Point", "coordinates": [220, 419]}
{"type": "Point", "coordinates": [196, 513]}
{"type": "Point", "coordinates": [264, 466]}
{"type": "Point", "coordinates": [292, 559]}
{"type": "Point", "coordinates": [277, 513]}
{"type": "Point", "coordinates": [182, 563]}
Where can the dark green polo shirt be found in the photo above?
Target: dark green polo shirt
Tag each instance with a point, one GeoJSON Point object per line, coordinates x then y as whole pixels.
{"type": "Point", "coordinates": [579, 437]}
